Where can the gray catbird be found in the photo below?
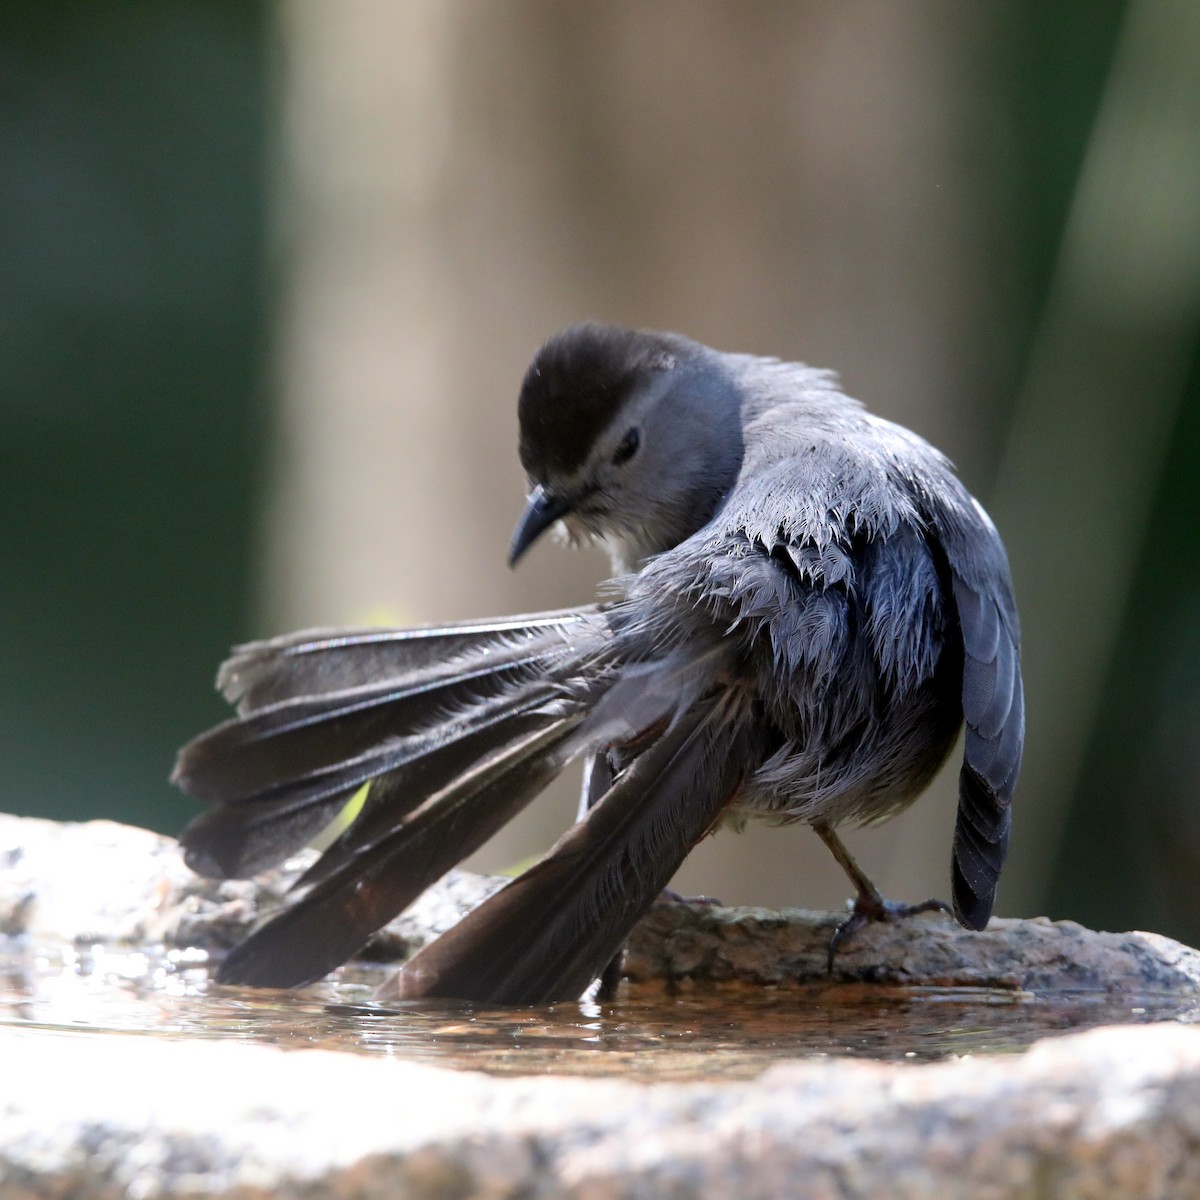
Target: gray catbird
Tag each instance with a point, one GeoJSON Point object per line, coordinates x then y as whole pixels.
{"type": "Point", "coordinates": [808, 604]}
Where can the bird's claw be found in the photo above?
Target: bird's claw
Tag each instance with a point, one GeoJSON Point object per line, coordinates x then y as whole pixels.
{"type": "Point", "coordinates": [867, 908]}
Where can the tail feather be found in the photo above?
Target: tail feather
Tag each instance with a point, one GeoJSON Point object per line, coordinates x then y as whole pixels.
{"type": "Point", "coordinates": [456, 730]}
{"type": "Point", "coordinates": [279, 774]}
{"type": "Point", "coordinates": [243, 836]}
{"type": "Point", "coordinates": [319, 661]}
{"type": "Point", "coordinates": [550, 932]}
{"type": "Point", "coordinates": [239, 839]}
{"type": "Point", "coordinates": [285, 744]}
{"type": "Point", "coordinates": [230, 842]}
{"type": "Point", "coordinates": [395, 797]}
{"type": "Point", "coordinates": [367, 887]}
{"type": "Point", "coordinates": [290, 739]}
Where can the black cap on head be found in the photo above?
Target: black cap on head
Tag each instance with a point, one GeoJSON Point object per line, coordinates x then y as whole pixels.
{"type": "Point", "coordinates": [577, 383]}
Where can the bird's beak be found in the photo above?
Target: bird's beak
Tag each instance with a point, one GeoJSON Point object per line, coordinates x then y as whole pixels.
{"type": "Point", "coordinates": [541, 511]}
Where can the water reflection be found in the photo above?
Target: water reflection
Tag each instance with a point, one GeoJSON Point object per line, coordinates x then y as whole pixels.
{"type": "Point", "coordinates": [689, 1036]}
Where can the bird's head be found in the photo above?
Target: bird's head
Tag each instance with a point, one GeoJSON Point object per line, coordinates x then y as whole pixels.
{"type": "Point", "coordinates": [627, 437]}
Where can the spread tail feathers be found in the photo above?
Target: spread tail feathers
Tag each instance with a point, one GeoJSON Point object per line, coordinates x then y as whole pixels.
{"type": "Point", "coordinates": [324, 713]}
{"type": "Point", "coordinates": [369, 883]}
{"type": "Point", "coordinates": [550, 932]}
{"type": "Point", "coordinates": [456, 729]}
{"type": "Point", "coordinates": [318, 661]}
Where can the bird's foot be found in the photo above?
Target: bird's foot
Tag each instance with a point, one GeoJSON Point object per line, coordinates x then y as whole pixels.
{"type": "Point", "coordinates": [872, 906]}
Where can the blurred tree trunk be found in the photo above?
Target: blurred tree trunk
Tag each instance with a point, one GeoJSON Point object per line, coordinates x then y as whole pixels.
{"type": "Point", "coordinates": [460, 179]}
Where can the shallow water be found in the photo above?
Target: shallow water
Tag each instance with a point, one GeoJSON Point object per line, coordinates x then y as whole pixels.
{"type": "Point", "coordinates": [732, 1034]}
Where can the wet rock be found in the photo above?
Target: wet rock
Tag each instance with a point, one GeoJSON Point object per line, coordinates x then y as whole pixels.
{"type": "Point", "coordinates": [99, 882]}
{"type": "Point", "coordinates": [1111, 1112]}
{"type": "Point", "coordinates": [686, 945]}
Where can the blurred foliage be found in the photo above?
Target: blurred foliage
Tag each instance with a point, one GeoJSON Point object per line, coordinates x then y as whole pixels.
{"type": "Point", "coordinates": [1046, 76]}
{"type": "Point", "coordinates": [1130, 855]}
{"type": "Point", "coordinates": [131, 337]}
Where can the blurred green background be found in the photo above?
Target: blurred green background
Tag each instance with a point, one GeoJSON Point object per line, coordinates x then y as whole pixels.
{"type": "Point", "coordinates": [263, 263]}
{"type": "Point", "coordinates": [132, 331]}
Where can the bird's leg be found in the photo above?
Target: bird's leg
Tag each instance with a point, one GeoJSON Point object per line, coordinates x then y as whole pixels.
{"type": "Point", "coordinates": [869, 904]}
{"type": "Point", "coordinates": [598, 776]}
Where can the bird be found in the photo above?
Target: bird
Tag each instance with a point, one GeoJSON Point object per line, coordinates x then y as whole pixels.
{"type": "Point", "coordinates": [806, 607]}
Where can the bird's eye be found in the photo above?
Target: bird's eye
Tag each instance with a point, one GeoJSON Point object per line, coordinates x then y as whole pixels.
{"type": "Point", "coordinates": [626, 448]}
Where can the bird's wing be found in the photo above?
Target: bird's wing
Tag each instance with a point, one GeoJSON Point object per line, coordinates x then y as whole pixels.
{"type": "Point", "coordinates": [792, 564]}
{"type": "Point", "coordinates": [817, 513]}
{"type": "Point", "coordinates": [363, 881]}
{"type": "Point", "coordinates": [549, 933]}
{"type": "Point", "coordinates": [319, 661]}
{"type": "Point", "coordinates": [881, 486]}
{"type": "Point", "coordinates": [322, 713]}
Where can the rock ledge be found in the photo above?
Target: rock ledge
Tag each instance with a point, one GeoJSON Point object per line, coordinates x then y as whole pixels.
{"type": "Point", "coordinates": [1110, 1112]}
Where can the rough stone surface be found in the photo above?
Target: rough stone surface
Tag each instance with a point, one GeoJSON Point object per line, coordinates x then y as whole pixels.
{"type": "Point", "coordinates": [684, 944]}
{"type": "Point", "coordinates": [1108, 1113]}
{"type": "Point", "coordinates": [102, 882]}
